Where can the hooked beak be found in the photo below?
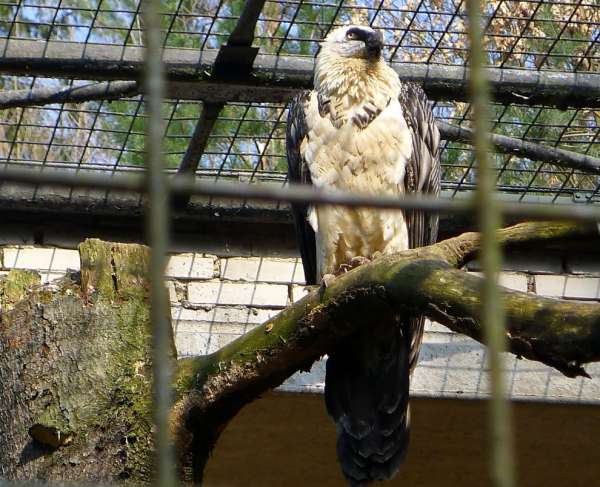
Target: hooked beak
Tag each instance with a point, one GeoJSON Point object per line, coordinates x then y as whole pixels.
{"type": "Point", "coordinates": [374, 44]}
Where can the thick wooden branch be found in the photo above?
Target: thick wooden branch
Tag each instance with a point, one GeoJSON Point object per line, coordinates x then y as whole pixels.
{"type": "Point", "coordinates": [75, 368]}
{"type": "Point", "coordinates": [561, 334]}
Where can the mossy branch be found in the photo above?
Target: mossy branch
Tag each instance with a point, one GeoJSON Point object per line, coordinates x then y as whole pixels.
{"type": "Point", "coordinates": [561, 334]}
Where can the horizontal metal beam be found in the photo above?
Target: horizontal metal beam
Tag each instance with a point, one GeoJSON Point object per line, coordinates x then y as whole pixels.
{"type": "Point", "coordinates": [55, 207]}
{"type": "Point", "coordinates": [299, 194]}
{"type": "Point", "coordinates": [276, 78]}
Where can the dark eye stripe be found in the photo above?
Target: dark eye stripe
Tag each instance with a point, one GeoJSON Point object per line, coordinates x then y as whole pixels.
{"type": "Point", "coordinates": [356, 33]}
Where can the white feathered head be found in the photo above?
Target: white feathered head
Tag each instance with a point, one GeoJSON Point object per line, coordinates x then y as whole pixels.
{"type": "Point", "coordinates": [354, 41]}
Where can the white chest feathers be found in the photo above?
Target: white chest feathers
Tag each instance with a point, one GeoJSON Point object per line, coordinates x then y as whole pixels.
{"type": "Point", "coordinates": [353, 156]}
{"type": "Point", "coordinates": [371, 159]}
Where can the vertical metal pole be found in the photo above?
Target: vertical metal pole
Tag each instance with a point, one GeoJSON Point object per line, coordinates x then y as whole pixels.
{"type": "Point", "coordinates": [492, 310]}
{"type": "Point", "coordinates": [157, 225]}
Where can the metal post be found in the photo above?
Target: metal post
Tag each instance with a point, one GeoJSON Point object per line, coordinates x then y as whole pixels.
{"type": "Point", "coordinates": [157, 225]}
{"type": "Point", "coordinates": [492, 310]}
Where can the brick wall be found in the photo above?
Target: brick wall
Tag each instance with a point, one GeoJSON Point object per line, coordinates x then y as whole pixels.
{"type": "Point", "coordinates": [221, 288]}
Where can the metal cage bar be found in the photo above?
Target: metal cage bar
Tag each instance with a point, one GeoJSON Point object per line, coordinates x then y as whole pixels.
{"type": "Point", "coordinates": [502, 470]}
{"type": "Point", "coordinates": [158, 232]}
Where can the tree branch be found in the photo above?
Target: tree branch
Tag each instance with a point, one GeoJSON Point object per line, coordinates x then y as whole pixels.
{"type": "Point", "coordinates": [111, 90]}
{"type": "Point", "coordinates": [535, 152]}
{"type": "Point", "coordinates": [558, 333]}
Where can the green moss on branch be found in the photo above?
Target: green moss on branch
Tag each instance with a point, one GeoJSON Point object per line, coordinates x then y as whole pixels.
{"type": "Point", "coordinates": [421, 281]}
{"type": "Point", "coordinates": [15, 286]}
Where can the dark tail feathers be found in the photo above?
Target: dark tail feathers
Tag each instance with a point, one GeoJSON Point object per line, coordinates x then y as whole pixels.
{"type": "Point", "coordinates": [366, 393]}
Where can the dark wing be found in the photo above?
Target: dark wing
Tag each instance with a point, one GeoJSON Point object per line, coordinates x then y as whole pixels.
{"type": "Point", "coordinates": [422, 176]}
{"type": "Point", "coordinates": [296, 132]}
{"type": "Point", "coordinates": [423, 168]}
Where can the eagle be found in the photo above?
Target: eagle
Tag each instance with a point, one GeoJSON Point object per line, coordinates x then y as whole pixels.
{"type": "Point", "coordinates": [362, 129]}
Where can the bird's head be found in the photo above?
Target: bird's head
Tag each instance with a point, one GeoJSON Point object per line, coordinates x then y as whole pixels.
{"type": "Point", "coordinates": [354, 41]}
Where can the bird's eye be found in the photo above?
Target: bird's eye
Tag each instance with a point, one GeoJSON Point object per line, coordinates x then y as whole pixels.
{"type": "Point", "coordinates": [351, 35]}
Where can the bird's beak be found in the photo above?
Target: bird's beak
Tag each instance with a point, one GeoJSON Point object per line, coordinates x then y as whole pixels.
{"type": "Point", "coordinates": [374, 44]}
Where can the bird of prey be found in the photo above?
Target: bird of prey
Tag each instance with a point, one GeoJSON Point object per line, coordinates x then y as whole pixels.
{"type": "Point", "coordinates": [362, 129]}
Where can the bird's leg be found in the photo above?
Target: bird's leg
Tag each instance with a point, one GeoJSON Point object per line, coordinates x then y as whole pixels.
{"type": "Point", "coordinates": [354, 262]}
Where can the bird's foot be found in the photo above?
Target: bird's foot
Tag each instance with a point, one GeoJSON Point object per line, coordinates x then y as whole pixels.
{"type": "Point", "coordinates": [328, 279]}
{"type": "Point", "coordinates": [354, 262]}
{"type": "Point", "coordinates": [358, 260]}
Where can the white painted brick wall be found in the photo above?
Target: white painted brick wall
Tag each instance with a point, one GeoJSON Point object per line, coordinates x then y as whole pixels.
{"type": "Point", "coordinates": [510, 280]}
{"type": "Point", "coordinates": [434, 327]}
{"type": "Point", "coordinates": [552, 286]}
{"type": "Point", "coordinates": [173, 298]}
{"type": "Point", "coordinates": [516, 282]}
{"type": "Point", "coordinates": [219, 340]}
{"type": "Point", "coordinates": [568, 287]}
{"type": "Point", "coordinates": [281, 270]}
{"type": "Point", "coordinates": [192, 326]}
{"type": "Point", "coordinates": [263, 269]}
{"type": "Point", "coordinates": [41, 259]}
{"type": "Point", "coordinates": [224, 314]}
{"type": "Point", "coordinates": [298, 292]}
{"type": "Point", "coordinates": [583, 287]}
{"type": "Point", "coordinates": [191, 343]}
{"type": "Point", "coordinates": [190, 266]}
{"type": "Point", "coordinates": [240, 268]}
{"type": "Point", "coordinates": [223, 292]}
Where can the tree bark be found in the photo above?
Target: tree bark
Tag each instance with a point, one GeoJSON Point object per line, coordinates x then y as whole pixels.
{"type": "Point", "coordinates": [75, 382]}
{"type": "Point", "coordinates": [75, 372]}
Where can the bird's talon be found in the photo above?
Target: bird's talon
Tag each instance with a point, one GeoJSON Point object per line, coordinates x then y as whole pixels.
{"type": "Point", "coordinates": [358, 260]}
{"type": "Point", "coordinates": [327, 280]}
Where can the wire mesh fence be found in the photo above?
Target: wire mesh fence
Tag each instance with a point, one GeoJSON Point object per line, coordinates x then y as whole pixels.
{"type": "Point", "coordinates": [248, 139]}
{"type": "Point", "coordinates": [533, 33]}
